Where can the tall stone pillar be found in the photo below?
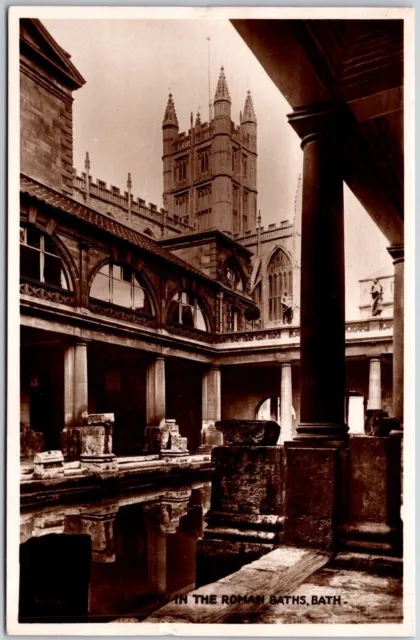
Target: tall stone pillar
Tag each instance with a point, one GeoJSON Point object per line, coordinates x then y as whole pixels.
{"type": "Point", "coordinates": [211, 409]}
{"type": "Point", "coordinates": [397, 253]}
{"type": "Point", "coordinates": [315, 460]}
{"type": "Point", "coordinates": [322, 323]}
{"type": "Point", "coordinates": [375, 385]}
{"type": "Point", "coordinates": [69, 381]}
{"type": "Point", "coordinates": [80, 381]}
{"type": "Point", "coordinates": [155, 392]}
{"type": "Point", "coordinates": [286, 421]}
{"type": "Point", "coordinates": [156, 430]}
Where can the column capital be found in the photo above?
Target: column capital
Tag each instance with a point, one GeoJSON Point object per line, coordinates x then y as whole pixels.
{"type": "Point", "coordinates": [396, 252]}
{"type": "Point", "coordinates": [318, 121]}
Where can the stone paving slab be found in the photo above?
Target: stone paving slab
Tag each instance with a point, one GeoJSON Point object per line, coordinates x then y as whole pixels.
{"type": "Point", "coordinates": [246, 591]}
{"type": "Point", "coordinates": [291, 586]}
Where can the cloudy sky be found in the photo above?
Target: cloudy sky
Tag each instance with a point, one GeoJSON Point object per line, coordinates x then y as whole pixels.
{"type": "Point", "coordinates": [130, 66]}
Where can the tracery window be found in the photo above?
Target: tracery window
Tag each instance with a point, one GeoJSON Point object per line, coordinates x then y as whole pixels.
{"type": "Point", "coordinates": [185, 309]}
{"type": "Point", "coordinates": [181, 169]}
{"type": "Point", "coordinates": [280, 284]}
{"type": "Point", "coordinates": [40, 259]}
{"type": "Point", "coordinates": [121, 285]}
{"type": "Point", "coordinates": [203, 160]}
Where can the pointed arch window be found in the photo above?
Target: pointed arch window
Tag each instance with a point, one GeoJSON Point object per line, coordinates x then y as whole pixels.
{"type": "Point", "coordinates": [40, 258]}
{"type": "Point", "coordinates": [122, 286]}
{"type": "Point", "coordinates": [280, 285]}
{"type": "Point", "coordinates": [185, 309]}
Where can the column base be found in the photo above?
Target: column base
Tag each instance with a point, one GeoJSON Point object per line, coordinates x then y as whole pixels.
{"type": "Point", "coordinates": [322, 431]}
{"type": "Point", "coordinates": [315, 493]}
{"type": "Point", "coordinates": [99, 463]}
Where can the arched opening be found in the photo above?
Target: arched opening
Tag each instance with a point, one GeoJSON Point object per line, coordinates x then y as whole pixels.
{"type": "Point", "coordinates": [355, 411]}
{"type": "Point", "coordinates": [119, 284]}
{"type": "Point", "coordinates": [186, 309]}
{"type": "Point", "coordinates": [280, 288]}
{"type": "Point", "coordinates": [149, 232]}
{"type": "Point", "coordinates": [40, 258]}
{"type": "Point", "coordinates": [269, 409]}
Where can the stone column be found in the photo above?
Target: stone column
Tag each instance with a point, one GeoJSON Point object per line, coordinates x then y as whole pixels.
{"type": "Point", "coordinates": [375, 385]}
{"type": "Point", "coordinates": [322, 320]}
{"type": "Point", "coordinates": [286, 421]}
{"type": "Point", "coordinates": [155, 392]}
{"type": "Point", "coordinates": [397, 253]}
{"type": "Point", "coordinates": [316, 459]}
{"type": "Point", "coordinates": [75, 397]}
{"type": "Point", "coordinates": [155, 406]}
{"type": "Point", "coordinates": [80, 381]}
{"type": "Point", "coordinates": [69, 386]}
{"type": "Point", "coordinates": [211, 409]}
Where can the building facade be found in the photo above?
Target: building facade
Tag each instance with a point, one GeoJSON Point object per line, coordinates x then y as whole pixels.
{"type": "Point", "coordinates": [149, 314]}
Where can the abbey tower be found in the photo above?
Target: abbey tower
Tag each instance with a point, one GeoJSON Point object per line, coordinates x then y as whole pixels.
{"type": "Point", "coordinates": [210, 172]}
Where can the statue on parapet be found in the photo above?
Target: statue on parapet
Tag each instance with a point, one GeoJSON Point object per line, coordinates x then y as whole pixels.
{"type": "Point", "coordinates": [376, 292]}
{"type": "Point", "coordinates": [286, 308]}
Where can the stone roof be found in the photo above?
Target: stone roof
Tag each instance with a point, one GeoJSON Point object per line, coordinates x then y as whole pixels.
{"type": "Point", "coordinates": [170, 117]}
{"type": "Point", "coordinates": [222, 91]}
{"type": "Point", "coordinates": [249, 112]}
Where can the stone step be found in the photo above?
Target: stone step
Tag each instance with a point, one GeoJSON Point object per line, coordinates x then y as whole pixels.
{"type": "Point", "coordinates": [244, 520]}
{"type": "Point", "coordinates": [370, 563]}
{"type": "Point", "coordinates": [229, 533]}
{"type": "Point", "coordinates": [247, 591]}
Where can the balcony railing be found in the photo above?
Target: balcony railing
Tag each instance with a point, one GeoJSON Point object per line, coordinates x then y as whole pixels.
{"type": "Point", "coordinates": [120, 313]}
{"type": "Point", "coordinates": [46, 292]}
{"type": "Point", "coordinates": [287, 333]}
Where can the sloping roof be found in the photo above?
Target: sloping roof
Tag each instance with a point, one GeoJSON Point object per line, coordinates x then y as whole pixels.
{"type": "Point", "coordinates": [39, 43]}
{"type": "Point", "coordinates": [103, 222]}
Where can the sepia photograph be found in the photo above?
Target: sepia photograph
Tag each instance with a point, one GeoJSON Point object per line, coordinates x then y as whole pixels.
{"type": "Point", "coordinates": [206, 320]}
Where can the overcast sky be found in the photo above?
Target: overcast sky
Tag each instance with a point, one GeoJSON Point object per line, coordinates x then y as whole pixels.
{"type": "Point", "coordinates": [130, 66]}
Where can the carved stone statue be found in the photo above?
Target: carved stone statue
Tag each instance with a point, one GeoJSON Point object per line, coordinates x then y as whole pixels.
{"type": "Point", "coordinates": [376, 291]}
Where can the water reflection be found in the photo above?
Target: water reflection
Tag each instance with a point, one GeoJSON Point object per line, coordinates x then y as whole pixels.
{"type": "Point", "coordinates": [109, 560]}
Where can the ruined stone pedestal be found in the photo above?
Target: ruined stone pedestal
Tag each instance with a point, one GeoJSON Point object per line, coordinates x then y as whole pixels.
{"type": "Point", "coordinates": [49, 464]}
{"type": "Point", "coordinates": [166, 440]}
{"type": "Point", "coordinates": [315, 497]}
{"type": "Point", "coordinates": [210, 437]}
{"type": "Point", "coordinates": [373, 523]}
{"type": "Point", "coordinates": [96, 443]}
{"type": "Point", "coordinates": [245, 520]}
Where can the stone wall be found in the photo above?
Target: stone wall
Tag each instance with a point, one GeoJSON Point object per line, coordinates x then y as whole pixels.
{"type": "Point", "coordinates": [46, 134]}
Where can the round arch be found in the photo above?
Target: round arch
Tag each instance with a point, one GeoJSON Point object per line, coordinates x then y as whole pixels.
{"type": "Point", "coordinates": [176, 297]}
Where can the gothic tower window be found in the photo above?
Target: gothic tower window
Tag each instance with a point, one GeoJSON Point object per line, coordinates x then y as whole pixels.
{"type": "Point", "coordinates": [235, 159]}
{"type": "Point", "coordinates": [280, 283]}
{"type": "Point", "coordinates": [203, 160]}
{"type": "Point", "coordinates": [182, 205]}
{"type": "Point", "coordinates": [235, 209]}
{"type": "Point", "coordinates": [185, 309]}
{"type": "Point", "coordinates": [40, 259]}
{"type": "Point", "coordinates": [204, 207]}
{"type": "Point", "coordinates": [121, 285]}
{"type": "Point", "coordinates": [245, 211]}
{"type": "Point", "coordinates": [181, 169]}
{"type": "Point", "coordinates": [245, 166]}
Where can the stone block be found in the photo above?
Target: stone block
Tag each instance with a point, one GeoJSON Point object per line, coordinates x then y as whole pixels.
{"type": "Point", "coordinates": [31, 442]}
{"type": "Point", "coordinates": [96, 441]}
{"type": "Point", "coordinates": [248, 480]}
{"type": "Point", "coordinates": [97, 419]}
{"type": "Point", "coordinates": [249, 432]}
{"type": "Point", "coordinates": [312, 475]}
{"type": "Point", "coordinates": [49, 464]}
{"type": "Point", "coordinates": [374, 469]}
{"type": "Point", "coordinates": [210, 437]}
